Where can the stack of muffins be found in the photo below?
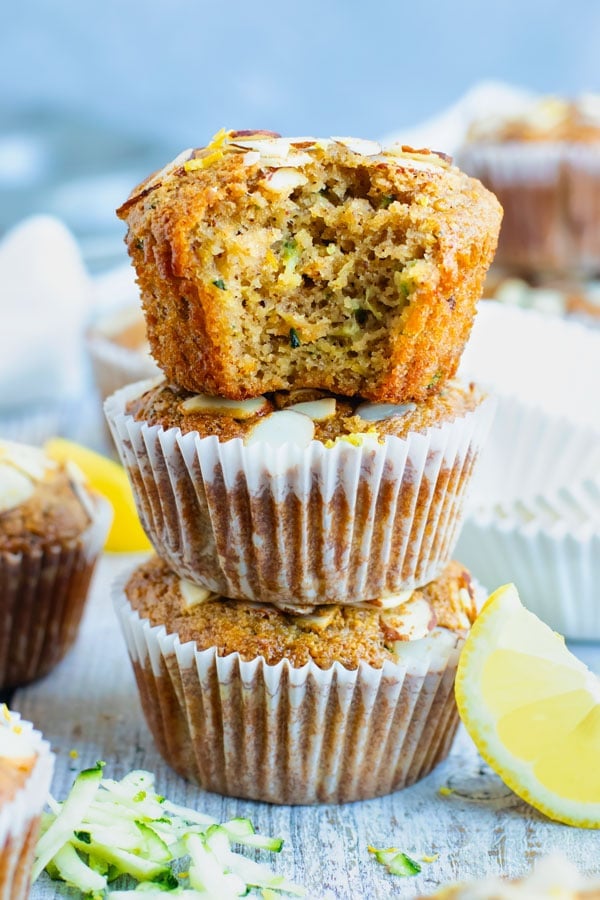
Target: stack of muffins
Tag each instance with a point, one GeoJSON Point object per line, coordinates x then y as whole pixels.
{"type": "Point", "coordinates": [301, 469]}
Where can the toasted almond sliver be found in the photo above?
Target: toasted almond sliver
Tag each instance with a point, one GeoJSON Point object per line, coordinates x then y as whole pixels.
{"type": "Point", "coordinates": [237, 409]}
{"type": "Point", "coordinates": [193, 594]}
{"type": "Point", "coordinates": [410, 623]}
{"type": "Point", "coordinates": [359, 145]}
{"type": "Point", "coordinates": [317, 410]}
{"type": "Point", "coordinates": [394, 600]}
{"type": "Point", "coordinates": [376, 412]}
{"type": "Point", "coordinates": [318, 621]}
{"type": "Point", "coordinates": [282, 427]}
{"type": "Point", "coordinates": [284, 179]}
{"type": "Point", "coordinates": [15, 487]}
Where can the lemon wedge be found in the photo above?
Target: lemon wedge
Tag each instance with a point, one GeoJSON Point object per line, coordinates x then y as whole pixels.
{"type": "Point", "coordinates": [109, 479]}
{"type": "Point", "coordinates": [533, 710]}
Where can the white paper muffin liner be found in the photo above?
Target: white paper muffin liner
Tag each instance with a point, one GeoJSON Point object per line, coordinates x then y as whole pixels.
{"type": "Point", "coordinates": [293, 735]}
{"type": "Point", "coordinates": [19, 818]}
{"type": "Point", "coordinates": [115, 366]}
{"type": "Point", "coordinates": [300, 527]}
{"type": "Point", "coordinates": [550, 548]}
{"type": "Point", "coordinates": [550, 193]}
{"type": "Point", "coordinates": [537, 360]}
{"type": "Point", "coordinates": [530, 453]}
{"type": "Point", "coordinates": [42, 598]}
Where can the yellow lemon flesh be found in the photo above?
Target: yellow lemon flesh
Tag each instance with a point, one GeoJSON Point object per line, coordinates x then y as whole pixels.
{"type": "Point", "coordinates": [109, 479]}
{"type": "Point", "coordinates": [533, 710]}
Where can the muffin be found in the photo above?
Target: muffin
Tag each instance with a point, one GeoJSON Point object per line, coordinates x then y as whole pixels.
{"type": "Point", "coordinates": [544, 166]}
{"type": "Point", "coordinates": [300, 498]}
{"type": "Point", "coordinates": [119, 350]}
{"type": "Point", "coordinates": [553, 878]}
{"type": "Point", "coordinates": [254, 702]}
{"type": "Point", "coordinates": [25, 771]}
{"type": "Point", "coordinates": [52, 530]}
{"type": "Point", "coordinates": [269, 264]}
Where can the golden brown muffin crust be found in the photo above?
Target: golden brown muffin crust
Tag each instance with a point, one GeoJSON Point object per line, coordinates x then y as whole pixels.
{"type": "Point", "coordinates": [163, 405]}
{"type": "Point", "coordinates": [54, 513]}
{"type": "Point", "coordinates": [359, 277]}
{"type": "Point", "coordinates": [352, 635]}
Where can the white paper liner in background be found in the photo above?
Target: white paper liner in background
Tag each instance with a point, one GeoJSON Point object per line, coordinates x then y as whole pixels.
{"type": "Point", "coordinates": [114, 365]}
{"type": "Point", "coordinates": [551, 551]}
{"type": "Point", "coordinates": [300, 526]}
{"type": "Point", "coordinates": [530, 453]}
{"type": "Point", "coordinates": [293, 735]}
{"type": "Point", "coordinates": [537, 360]}
{"type": "Point", "coordinates": [19, 818]}
{"type": "Point", "coordinates": [42, 598]}
{"type": "Point", "coordinates": [550, 193]}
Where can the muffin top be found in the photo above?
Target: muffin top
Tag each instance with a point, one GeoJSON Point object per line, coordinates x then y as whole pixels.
{"type": "Point", "coordinates": [317, 415]}
{"type": "Point", "coordinates": [41, 501]}
{"type": "Point", "coordinates": [371, 633]}
{"type": "Point", "coordinates": [17, 756]}
{"type": "Point", "coordinates": [544, 119]}
{"type": "Point", "coordinates": [269, 263]}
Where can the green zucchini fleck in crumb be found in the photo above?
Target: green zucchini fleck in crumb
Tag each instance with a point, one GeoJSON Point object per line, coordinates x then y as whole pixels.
{"type": "Point", "coordinates": [294, 339]}
{"type": "Point", "coordinates": [219, 283]}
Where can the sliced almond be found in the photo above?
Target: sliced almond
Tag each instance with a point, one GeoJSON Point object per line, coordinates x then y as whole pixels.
{"type": "Point", "coordinates": [15, 487]}
{"type": "Point", "coordinates": [237, 409]}
{"type": "Point", "coordinates": [284, 180]}
{"type": "Point", "coordinates": [410, 622]}
{"type": "Point", "coordinates": [359, 145]}
{"type": "Point", "coordinates": [317, 410]}
{"type": "Point", "coordinates": [376, 412]}
{"type": "Point", "coordinates": [266, 146]}
{"type": "Point", "coordinates": [282, 427]}
{"type": "Point", "coordinates": [393, 600]}
{"type": "Point", "coordinates": [318, 621]}
{"type": "Point", "coordinates": [30, 460]}
{"type": "Point", "coordinates": [251, 158]}
{"type": "Point", "coordinates": [192, 594]}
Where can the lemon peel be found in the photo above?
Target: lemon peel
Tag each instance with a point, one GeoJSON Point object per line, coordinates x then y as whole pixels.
{"type": "Point", "coordinates": [532, 709]}
{"type": "Point", "coordinates": [109, 479]}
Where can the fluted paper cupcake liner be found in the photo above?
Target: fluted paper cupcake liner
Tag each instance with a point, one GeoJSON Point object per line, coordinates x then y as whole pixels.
{"type": "Point", "coordinates": [293, 735]}
{"type": "Point", "coordinates": [300, 527]}
{"type": "Point", "coordinates": [531, 453]}
{"type": "Point", "coordinates": [115, 366]}
{"type": "Point", "coordinates": [536, 360]}
{"type": "Point", "coordinates": [20, 817]}
{"type": "Point", "coordinates": [552, 556]}
{"type": "Point", "coordinates": [550, 193]}
{"type": "Point", "coordinates": [42, 597]}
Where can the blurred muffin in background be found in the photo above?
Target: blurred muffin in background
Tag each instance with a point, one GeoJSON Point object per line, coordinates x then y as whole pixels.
{"type": "Point", "coordinates": [52, 530]}
{"type": "Point", "coordinates": [119, 350]}
{"type": "Point", "coordinates": [543, 164]}
{"type": "Point", "coordinates": [26, 765]}
{"type": "Point", "coordinates": [555, 296]}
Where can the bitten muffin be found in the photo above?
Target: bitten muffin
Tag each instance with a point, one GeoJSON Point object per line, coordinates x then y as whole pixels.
{"type": "Point", "coordinates": [52, 530]}
{"type": "Point", "coordinates": [25, 771]}
{"type": "Point", "coordinates": [300, 498]}
{"type": "Point", "coordinates": [268, 263]}
{"type": "Point", "coordinates": [543, 163]}
{"type": "Point", "coordinates": [340, 705]}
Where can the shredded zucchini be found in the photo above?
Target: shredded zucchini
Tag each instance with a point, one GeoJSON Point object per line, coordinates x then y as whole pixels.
{"type": "Point", "coordinates": [107, 830]}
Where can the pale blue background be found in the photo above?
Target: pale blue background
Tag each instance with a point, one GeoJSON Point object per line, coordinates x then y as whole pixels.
{"type": "Point", "coordinates": [94, 95]}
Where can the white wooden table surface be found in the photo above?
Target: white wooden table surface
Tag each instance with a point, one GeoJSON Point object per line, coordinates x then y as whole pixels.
{"type": "Point", "coordinates": [89, 703]}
